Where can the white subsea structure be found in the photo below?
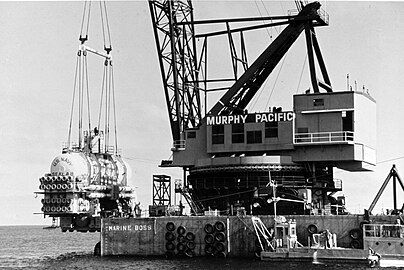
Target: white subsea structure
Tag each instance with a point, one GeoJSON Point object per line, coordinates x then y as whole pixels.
{"type": "Point", "coordinates": [91, 168]}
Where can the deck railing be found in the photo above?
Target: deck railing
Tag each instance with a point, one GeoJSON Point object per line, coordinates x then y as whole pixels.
{"type": "Point", "coordinates": [324, 137]}
{"type": "Point", "coordinates": [383, 230]}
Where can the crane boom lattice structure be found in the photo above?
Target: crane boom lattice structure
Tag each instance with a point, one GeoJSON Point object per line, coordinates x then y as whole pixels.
{"type": "Point", "coordinates": [176, 49]}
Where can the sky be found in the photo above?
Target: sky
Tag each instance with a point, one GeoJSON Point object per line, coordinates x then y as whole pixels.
{"type": "Point", "coordinates": [39, 42]}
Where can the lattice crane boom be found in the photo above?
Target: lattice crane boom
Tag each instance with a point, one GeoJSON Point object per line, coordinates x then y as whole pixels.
{"type": "Point", "coordinates": [176, 49]}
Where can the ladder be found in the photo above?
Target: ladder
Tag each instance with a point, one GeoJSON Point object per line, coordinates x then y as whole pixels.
{"type": "Point", "coordinates": [196, 207]}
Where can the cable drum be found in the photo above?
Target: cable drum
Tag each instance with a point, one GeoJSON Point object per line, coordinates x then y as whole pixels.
{"type": "Point", "coordinates": [58, 200]}
{"type": "Point", "coordinates": [209, 228]}
{"type": "Point", "coordinates": [58, 186]}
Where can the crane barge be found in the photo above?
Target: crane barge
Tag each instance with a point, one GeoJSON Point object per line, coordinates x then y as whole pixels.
{"type": "Point", "coordinates": [238, 163]}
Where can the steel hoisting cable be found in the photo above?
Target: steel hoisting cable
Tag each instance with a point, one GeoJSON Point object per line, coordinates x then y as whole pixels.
{"type": "Point", "coordinates": [102, 94]}
{"type": "Point", "coordinates": [108, 30]}
{"type": "Point", "coordinates": [301, 73]}
{"type": "Point", "coordinates": [106, 109]}
{"type": "Point", "coordinates": [266, 28]}
{"type": "Point", "coordinates": [88, 94]}
{"type": "Point", "coordinates": [102, 24]}
{"type": "Point", "coordinates": [86, 11]}
{"type": "Point", "coordinates": [79, 96]}
{"type": "Point", "coordinates": [83, 19]}
{"type": "Point", "coordinates": [270, 36]}
{"type": "Point", "coordinates": [72, 107]}
{"type": "Point", "coordinates": [82, 94]}
{"type": "Point", "coordinates": [109, 97]}
{"type": "Point", "coordinates": [114, 108]}
{"type": "Point", "coordinates": [276, 80]}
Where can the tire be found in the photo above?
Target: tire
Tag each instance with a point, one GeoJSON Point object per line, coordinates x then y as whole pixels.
{"type": "Point", "coordinates": [170, 246]}
{"type": "Point", "coordinates": [221, 254]}
{"type": "Point", "coordinates": [170, 226]}
{"type": "Point", "coordinates": [355, 234]}
{"type": "Point", "coordinates": [190, 236]}
{"type": "Point", "coordinates": [220, 237]}
{"type": "Point", "coordinates": [219, 226]}
{"type": "Point", "coordinates": [355, 244]}
{"type": "Point", "coordinates": [312, 229]}
{"type": "Point", "coordinates": [181, 230]}
{"type": "Point", "coordinates": [219, 247]}
{"type": "Point", "coordinates": [209, 239]}
{"type": "Point", "coordinates": [209, 228]}
{"type": "Point", "coordinates": [191, 245]}
{"type": "Point", "coordinates": [189, 253]}
{"type": "Point", "coordinates": [181, 239]}
{"type": "Point", "coordinates": [170, 236]}
{"type": "Point", "coordinates": [181, 247]}
{"type": "Point", "coordinates": [209, 249]}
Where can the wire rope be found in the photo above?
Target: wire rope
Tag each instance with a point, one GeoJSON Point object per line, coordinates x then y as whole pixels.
{"type": "Point", "coordinates": [114, 109]}
{"type": "Point", "coordinates": [108, 30]}
{"type": "Point", "coordinates": [88, 95]}
{"type": "Point", "coordinates": [102, 94]}
{"type": "Point", "coordinates": [102, 24]}
{"type": "Point", "coordinates": [72, 107]}
{"type": "Point", "coordinates": [276, 81]}
{"type": "Point", "coordinates": [301, 73]}
{"type": "Point", "coordinates": [83, 19]}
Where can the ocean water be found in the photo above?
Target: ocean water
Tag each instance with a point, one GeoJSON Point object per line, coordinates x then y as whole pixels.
{"type": "Point", "coordinates": [31, 247]}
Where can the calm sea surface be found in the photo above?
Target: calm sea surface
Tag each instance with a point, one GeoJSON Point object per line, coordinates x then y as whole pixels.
{"type": "Point", "coordinates": [31, 247]}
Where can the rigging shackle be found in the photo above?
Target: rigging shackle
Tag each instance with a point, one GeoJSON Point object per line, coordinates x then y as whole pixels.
{"type": "Point", "coordinates": [83, 39]}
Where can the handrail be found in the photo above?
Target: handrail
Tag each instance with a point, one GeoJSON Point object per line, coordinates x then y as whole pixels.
{"type": "Point", "coordinates": [383, 230]}
{"type": "Point", "coordinates": [324, 137]}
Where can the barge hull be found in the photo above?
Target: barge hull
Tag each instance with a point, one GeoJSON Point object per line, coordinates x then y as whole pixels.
{"type": "Point", "coordinates": [148, 236]}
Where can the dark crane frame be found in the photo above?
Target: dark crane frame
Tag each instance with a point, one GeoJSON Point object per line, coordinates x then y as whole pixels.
{"type": "Point", "coordinates": [181, 68]}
